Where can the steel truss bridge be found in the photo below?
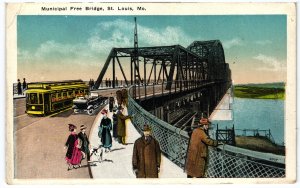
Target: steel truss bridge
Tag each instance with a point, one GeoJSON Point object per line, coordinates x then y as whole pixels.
{"type": "Point", "coordinates": [161, 82]}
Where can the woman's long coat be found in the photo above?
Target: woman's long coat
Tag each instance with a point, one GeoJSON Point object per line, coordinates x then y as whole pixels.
{"type": "Point", "coordinates": [105, 128]}
{"type": "Point", "coordinates": [121, 124]}
{"type": "Point", "coordinates": [146, 157]}
{"type": "Point", "coordinates": [197, 153]}
{"type": "Point", "coordinates": [73, 155]}
{"type": "Point", "coordinates": [70, 144]}
{"type": "Point", "coordinates": [115, 125]}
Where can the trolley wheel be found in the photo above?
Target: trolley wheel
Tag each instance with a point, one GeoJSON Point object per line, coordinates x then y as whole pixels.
{"type": "Point", "coordinates": [91, 111]}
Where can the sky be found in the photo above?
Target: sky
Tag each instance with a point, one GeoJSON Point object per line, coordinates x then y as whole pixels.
{"type": "Point", "coordinates": [75, 47]}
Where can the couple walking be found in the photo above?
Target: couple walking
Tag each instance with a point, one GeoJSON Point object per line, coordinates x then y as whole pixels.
{"type": "Point", "coordinates": [77, 147]}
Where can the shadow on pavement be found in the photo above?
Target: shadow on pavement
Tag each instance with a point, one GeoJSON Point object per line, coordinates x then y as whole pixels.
{"type": "Point", "coordinates": [116, 149]}
{"type": "Point", "coordinates": [128, 143]}
{"type": "Point", "coordinates": [93, 163]}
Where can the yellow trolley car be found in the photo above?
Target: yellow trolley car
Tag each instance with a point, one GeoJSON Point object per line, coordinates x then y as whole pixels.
{"type": "Point", "coordinates": [43, 98]}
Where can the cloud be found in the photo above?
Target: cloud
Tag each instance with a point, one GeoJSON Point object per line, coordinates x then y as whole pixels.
{"type": "Point", "coordinates": [263, 42]}
{"type": "Point", "coordinates": [270, 63]}
{"type": "Point", "coordinates": [233, 42]}
{"type": "Point", "coordinates": [122, 33]}
{"type": "Point", "coordinates": [105, 36]}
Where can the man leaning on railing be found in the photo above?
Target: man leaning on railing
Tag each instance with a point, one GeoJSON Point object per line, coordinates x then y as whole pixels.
{"type": "Point", "coordinates": [198, 149]}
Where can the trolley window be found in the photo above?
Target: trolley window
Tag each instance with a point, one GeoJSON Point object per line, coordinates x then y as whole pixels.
{"type": "Point", "coordinates": [70, 93]}
{"type": "Point", "coordinates": [64, 94]}
{"type": "Point", "coordinates": [33, 99]}
{"type": "Point", "coordinates": [40, 98]}
{"type": "Point", "coordinates": [53, 97]}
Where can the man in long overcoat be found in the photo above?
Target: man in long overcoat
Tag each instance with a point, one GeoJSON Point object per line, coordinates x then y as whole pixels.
{"type": "Point", "coordinates": [146, 156]}
{"type": "Point", "coordinates": [121, 125]}
{"type": "Point", "coordinates": [198, 150]}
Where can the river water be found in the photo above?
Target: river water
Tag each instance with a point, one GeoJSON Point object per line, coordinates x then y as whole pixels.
{"type": "Point", "coordinates": [259, 114]}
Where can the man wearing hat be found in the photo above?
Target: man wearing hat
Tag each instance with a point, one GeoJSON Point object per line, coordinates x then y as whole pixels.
{"type": "Point", "coordinates": [85, 142]}
{"type": "Point", "coordinates": [146, 155]}
{"type": "Point", "coordinates": [198, 150]}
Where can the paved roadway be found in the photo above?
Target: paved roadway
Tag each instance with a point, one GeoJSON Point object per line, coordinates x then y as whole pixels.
{"type": "Point", "coordinates": [118, 162]}
{"type": "Point", "coordinates": [39, 145]}
{"type": "Point", "coordinates": [39, 142]}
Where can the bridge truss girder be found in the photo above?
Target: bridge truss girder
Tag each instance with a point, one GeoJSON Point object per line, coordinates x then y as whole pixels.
{"type": "Point", "coordinates": [187, 68]}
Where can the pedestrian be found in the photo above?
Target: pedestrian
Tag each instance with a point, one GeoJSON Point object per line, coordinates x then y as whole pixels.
{"type": "Point", "coordinates": [119, 97]}
{"type": "Point", "coordinates": [117, 82]}
{"type": "Point", "coordinates": [111, 103]}
{"type": "Point", "coordinates": [73, 155]}
{"type": "Point", "coordinates": [146, 155]}
{"type": "Point", "coordinates": [124, 97]}
{"type": "Point", "coordinates": [109, 82]}
{"type": "Point", "coordinates": [93, 84]}
{"type": "Point", "coordinates": [104, 131]}
{"type": "Point", "coordinates": [85, 143]}
{"type": "Point", "coordinates": [90, 84]}
{"type": "Point", "coordinates": [24, 84]}
{"type": "Point", "coordinates": [198, 150]}
{"type": "Point", "coordinates": [106, 82]}
{"type": "Point", "coordinates": [121, 125]}
{"type": "Point", "coordinates": [19, 87]}
{"type": "Point", "coordinates": [115, 123]}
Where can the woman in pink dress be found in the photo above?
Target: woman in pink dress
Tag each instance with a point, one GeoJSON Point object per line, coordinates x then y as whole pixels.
{"type": "Point", "coordinates": [73, 155]}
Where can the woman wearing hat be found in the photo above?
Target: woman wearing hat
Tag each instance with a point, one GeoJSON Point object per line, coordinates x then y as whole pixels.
{"type": "Point", "coordinates": [73, 155]}
{"type": "Point", "coordinates": [198, 150]}
{"type": "Point", "coordinates": [121, 130]}
{"type": "Point", "coordinates": [104, 131]}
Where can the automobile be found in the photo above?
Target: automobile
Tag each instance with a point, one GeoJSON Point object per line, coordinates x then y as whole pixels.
{"type": "Point", "coordinates": [89, 103]}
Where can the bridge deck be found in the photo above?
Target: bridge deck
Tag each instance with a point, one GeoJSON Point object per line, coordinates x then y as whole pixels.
{"type": "Point", "coordinates": [117, 163]}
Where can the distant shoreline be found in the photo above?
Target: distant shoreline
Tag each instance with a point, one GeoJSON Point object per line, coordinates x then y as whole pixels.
{"type": "Point", "coordinates": [260, 91]}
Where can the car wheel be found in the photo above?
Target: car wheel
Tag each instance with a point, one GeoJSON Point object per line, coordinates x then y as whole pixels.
{"type": "Point", "coordinates": [91, 111]}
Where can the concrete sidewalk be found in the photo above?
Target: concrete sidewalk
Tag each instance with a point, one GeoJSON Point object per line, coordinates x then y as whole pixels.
{"type": "Point", "coordinates": [118, 162]}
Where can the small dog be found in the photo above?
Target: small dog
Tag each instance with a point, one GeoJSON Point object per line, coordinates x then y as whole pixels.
{"type": "Point", "coordinates": [98, 151]}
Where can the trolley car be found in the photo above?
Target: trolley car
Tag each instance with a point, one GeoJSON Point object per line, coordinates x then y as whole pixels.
{"type": "Point", "coordinates": [43, 98]}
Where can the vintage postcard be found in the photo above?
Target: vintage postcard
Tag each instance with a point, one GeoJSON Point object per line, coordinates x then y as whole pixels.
{"type": "Point", "coordinates": [181, 93]}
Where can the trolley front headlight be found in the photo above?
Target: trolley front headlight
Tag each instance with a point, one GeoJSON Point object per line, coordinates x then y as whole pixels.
{"type": "Point", "coordinates": [33, 107]}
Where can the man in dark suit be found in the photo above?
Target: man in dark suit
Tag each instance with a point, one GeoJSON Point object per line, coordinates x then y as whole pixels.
{"type": "Point", "coordinates": [85, 143]}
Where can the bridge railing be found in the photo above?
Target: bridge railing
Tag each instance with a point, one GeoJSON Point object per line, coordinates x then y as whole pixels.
{"type": "Point", "coordinates": [141, 90]}
{"type": "Point", "coordinates": [224, 161]}
{"type": "Point", "coordinates": [172, 140]}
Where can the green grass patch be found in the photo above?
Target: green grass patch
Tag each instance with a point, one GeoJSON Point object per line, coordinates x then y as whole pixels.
{"type": "Point", "coordinates": [259, 92]}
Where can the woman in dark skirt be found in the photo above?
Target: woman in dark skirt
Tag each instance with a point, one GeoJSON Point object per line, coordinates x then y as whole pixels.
{"type": "Point", "coordinates": [104, 130]}
{"type": "Point", "coordinates": [73, 155]}
{"type": "Point", "coordinates": [115, 123]}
